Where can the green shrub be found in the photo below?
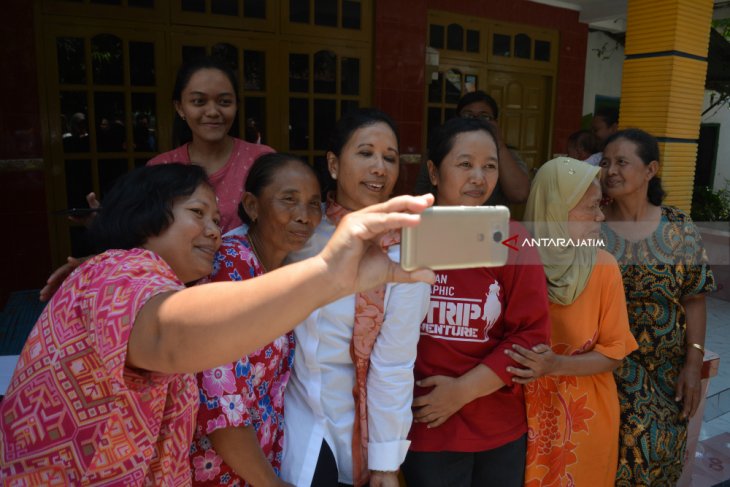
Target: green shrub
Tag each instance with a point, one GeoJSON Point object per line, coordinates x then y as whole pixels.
{"type": "Point", "coordinates": [711, 206]}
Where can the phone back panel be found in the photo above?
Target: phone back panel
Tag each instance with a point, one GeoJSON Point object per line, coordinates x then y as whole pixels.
{"type": "Point", "coordinates": [457, 237]}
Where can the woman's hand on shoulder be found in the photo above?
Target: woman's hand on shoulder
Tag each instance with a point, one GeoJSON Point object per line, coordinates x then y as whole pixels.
{"type": "Point", "coordinates": [539, 361]}
{"type": "Point", "coordinates": [59, 275]}
{"type": "Point", "coordinates": [354, 259]}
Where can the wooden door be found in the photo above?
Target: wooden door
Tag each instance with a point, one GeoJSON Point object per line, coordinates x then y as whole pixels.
{"type": "Point", "coordinates": [524, 103]}
{"type": "Point", "coordinates": [105, 109]}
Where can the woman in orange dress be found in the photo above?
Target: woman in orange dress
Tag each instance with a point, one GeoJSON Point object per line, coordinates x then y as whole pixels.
{"type": "Point", "coordinates": [570, 393]}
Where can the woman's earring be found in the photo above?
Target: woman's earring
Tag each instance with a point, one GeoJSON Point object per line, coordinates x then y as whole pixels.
{"type": "Point", "coordinates": [334, 176]}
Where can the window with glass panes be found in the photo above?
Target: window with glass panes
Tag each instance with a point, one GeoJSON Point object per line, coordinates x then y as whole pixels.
{"type": "Point", "coordinates": [473, 53]}
{"type": "Point", "coordinates": [103, 94]}
{"type": "Point", "coordinates": [110, 66]}
{"type": "Point", "coordinates": [250, 15]}
{"type": "Point", "coordinates": [344, 19]}
{"type": "Point", "coordinates": [323, 84]}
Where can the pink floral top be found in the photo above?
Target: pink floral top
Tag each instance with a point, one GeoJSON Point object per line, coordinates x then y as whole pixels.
{"type": "Point", "coordinates": [249, 392]}
{"type": "Point", "coordinates": [74, 413]}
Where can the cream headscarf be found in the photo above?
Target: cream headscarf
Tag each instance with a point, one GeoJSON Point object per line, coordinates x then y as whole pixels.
{"type": "Point", "coordinates": [558, 186]}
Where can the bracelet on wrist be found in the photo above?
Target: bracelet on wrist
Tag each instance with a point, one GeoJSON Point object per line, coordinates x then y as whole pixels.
{"type": "Point", "coordinates": [698, 347]}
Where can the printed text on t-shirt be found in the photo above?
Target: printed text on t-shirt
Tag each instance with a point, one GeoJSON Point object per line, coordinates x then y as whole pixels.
{"type": "Point", "coordinates": [460, 318]}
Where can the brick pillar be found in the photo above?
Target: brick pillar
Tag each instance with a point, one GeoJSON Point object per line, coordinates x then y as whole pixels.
{"type": "Point", "coordinates": [663, 83]}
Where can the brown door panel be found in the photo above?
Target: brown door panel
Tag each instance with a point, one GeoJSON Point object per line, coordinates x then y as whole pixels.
{"type": "Point", "coordinates": [524, 102]}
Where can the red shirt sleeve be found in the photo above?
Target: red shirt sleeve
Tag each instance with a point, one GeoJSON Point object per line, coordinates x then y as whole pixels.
{"type": "Point", "coordinates": [526, 316]}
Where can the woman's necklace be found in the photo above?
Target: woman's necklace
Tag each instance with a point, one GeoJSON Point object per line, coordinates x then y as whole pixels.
{"type": "Point", "coordinates": [251, 239]}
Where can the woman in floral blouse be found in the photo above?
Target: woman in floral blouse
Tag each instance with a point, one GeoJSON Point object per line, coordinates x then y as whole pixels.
{"type": "Point", "coordinates": [239, 435]}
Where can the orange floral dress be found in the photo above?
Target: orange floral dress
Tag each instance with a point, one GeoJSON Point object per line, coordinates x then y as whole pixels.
{"type": "Point", "coordinates": [573, 421]}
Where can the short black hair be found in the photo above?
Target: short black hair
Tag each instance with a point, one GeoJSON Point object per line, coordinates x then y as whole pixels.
{"type": "Point", "coordinates": [262, 175]}
{"type": "Point", "coordinates": [609, 115]}
{"type": "Point", "coordinates": [181, 132]}
{"type": "Point", "coordinates": [139, 205]}
{"type": "Point", "coordinates": [477, 96]}
{"type": "Point", "coordinates": [647, 148]}
{"type": "Point", "coordinates": [442, 137]}
{"type": "Point", "coordinates": [441, 141]}
{"type": "Point", "coordinates": [584, 140]}
{"type": "Point", "coordinates": [344, 128]}
{"type": "Point", "coordinates": [354, 120]}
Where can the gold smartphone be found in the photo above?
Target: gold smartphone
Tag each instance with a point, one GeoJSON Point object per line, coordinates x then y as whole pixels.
{"type": "Point", "coordinates": [456, 237]}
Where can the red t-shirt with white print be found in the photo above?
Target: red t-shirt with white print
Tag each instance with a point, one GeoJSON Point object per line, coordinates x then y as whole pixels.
{"type": "Point", "coordinates": [474, 315]}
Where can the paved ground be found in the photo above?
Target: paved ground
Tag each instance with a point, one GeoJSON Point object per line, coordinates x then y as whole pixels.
{"type": "Point", "coordinates": [712, 457]}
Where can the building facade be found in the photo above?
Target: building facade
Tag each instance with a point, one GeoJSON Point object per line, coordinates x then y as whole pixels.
{"type": "Point", "coordinates": [88, 88]}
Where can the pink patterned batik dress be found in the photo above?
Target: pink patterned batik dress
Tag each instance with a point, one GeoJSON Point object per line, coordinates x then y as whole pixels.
{"type": "Point", "coordinates": [74, 413]}
{"type": "Point", "coordinates": [248, 392]}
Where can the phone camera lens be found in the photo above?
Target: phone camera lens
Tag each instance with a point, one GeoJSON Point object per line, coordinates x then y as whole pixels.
{"type": "Point", "coordinates": [497, 236]}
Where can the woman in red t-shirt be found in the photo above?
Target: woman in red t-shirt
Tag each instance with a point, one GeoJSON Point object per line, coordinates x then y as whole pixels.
{"type": "Point", "coordinates": [469, 416]}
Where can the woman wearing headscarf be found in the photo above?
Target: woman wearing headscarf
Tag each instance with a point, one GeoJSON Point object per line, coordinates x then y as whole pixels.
{"type": "Point", "coordinates": [571, 397]}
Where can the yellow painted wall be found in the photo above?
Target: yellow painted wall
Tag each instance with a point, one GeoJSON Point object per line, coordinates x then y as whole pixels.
{"type": "Point", "coordinates": [663, 93]}
{"type": "Point", "coordinates": [678, 172]}
{"type": "Point", "coordinates": [668, 25]}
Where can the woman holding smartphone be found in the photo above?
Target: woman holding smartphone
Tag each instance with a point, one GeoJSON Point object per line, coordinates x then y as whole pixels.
{"type": "Point", "coordinates": [363, 344]}
{"type": "Point", "coordinates": [103, 392]}
{"type": "Point", "coordinates": [469, 416]}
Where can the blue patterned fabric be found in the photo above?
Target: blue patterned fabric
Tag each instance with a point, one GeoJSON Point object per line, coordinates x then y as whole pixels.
{"type": "Point", "coordinates": [657, 272]}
